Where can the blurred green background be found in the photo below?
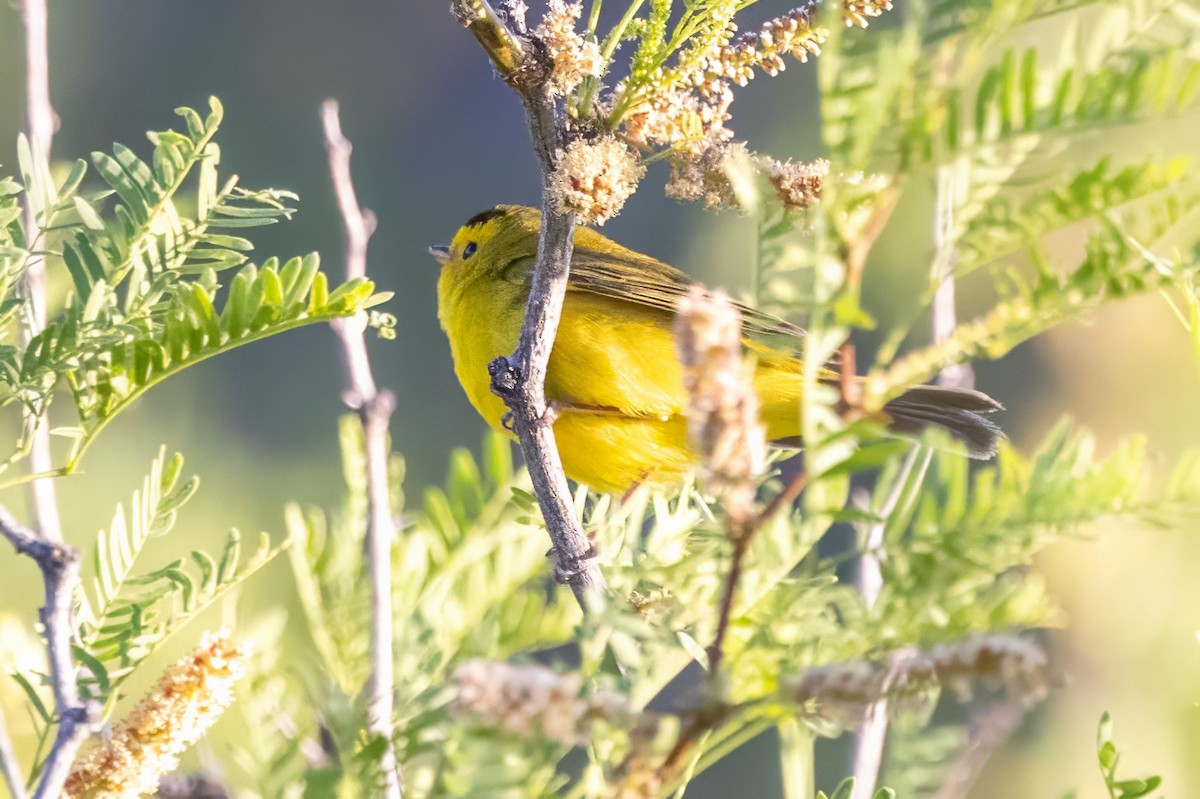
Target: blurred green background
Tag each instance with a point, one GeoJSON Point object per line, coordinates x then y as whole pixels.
{"type": "Point", "coordinates": [437, 138]}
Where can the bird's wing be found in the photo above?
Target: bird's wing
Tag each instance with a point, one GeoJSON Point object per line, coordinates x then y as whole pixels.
{"type": "Point", "coordinates": [628, 276]}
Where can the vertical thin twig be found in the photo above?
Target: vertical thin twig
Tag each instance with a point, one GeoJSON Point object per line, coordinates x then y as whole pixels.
{"type": "Point", "coordinates": [10, 768]}
{"type": "Point", "coordinates": [519, 379]}
{"type": "Point", "coordinates": [60, 574]}
{"type": "Point", "coordinates": [869, 740]}
{"type": "Point", "coordinates": [59, 563]}
{"type": "Point", "coordinates": [945, 315]}
{"type": "Point", "coordinates": [39, 128]}
{"type": "Point", "coordinates": [374, 408]}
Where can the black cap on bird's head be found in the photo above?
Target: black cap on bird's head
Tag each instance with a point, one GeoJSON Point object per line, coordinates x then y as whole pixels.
{"type": "Point", "coordinates": [504, 228]}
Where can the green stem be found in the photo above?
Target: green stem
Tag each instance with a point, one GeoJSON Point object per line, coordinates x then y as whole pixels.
{"type": "Point", "coordinates": [797, 760]}
{"type": "Point", "coordinates": [614, 36]}
{"type": "Point", "coordinates": [593, 19]}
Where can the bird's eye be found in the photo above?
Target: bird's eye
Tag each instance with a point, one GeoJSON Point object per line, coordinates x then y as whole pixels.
{"type": "Point", "coordinates": [469, 250]}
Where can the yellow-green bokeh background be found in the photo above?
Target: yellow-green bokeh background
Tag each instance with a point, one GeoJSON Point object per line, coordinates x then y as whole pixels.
{"type": "Point", "coordinates": [438, 138]}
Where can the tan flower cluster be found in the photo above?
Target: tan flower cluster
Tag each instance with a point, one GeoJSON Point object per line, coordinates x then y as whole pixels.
{"type": "Point", "coordinates": [687, 105]}
{"type": "Point", "coordinates": [592, 179]}
{"type": "Point", "coordinates": [706, 177]}
{"type": "Point", "coordinates": [723, 423]}
{"type": "Point", "coordinates": [690, 120]}
{"type": "Point", "coordinates": [573, 58]}
{"type": "Point", "coordinates": [533, 701]}
{"type": "Point", "coordinates": [188, 698]}
{"type": "Point", "coordinates": [842, 692]}
{"type": "Point", "coordinates": [797, 183]}
{"type": "Point", "coordinates": [859, 12]}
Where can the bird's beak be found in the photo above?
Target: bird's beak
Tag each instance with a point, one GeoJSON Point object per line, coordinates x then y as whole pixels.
{"type": "Point", "coordinates": [440, 253]}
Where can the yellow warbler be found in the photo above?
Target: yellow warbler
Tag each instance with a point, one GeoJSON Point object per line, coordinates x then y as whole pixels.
{"type": "Point", "coordinates": [613, 374]}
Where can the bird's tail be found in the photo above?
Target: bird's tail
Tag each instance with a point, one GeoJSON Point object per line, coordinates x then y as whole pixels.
{"type": "Point", "coordinates": [959, 411]}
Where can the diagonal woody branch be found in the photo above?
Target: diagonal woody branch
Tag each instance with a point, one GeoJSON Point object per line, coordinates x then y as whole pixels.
{"type": "Point", "coordinates": [59, 564]}
{"type": "Point", "coordinates": [519, 379]}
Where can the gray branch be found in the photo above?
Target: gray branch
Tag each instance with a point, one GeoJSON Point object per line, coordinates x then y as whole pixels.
{"type": "Point", "coordinates": [374, 409]}
{"type": "Point", "coordinates": [59, 564]}
{"type": "Point", "coordinates": [519, 379]}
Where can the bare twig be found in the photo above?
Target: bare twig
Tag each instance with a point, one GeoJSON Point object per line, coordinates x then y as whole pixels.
{"type": "Point", "coordinates": [60, 574]}
{"type": "Point", "coordinates": [741, 543]}
{"type": "Point", "coordinates": [519, 379]}
{"type": "Point", "coordinates": [498, 41]}
{"type": "Point", "coordinates": [10, 769]}
{"type": "Point", "coordinates": [716, 650]}
{"type": "Point", "coordinates": [374, 408]}
{"type": "Point", "coordinates": [39, 127]}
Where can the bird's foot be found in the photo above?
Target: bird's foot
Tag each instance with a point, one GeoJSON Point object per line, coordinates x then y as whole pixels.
{"type": "Point", "coordinates": [566, 568]}
{"type": "Point", "coordinates": [549, 417]}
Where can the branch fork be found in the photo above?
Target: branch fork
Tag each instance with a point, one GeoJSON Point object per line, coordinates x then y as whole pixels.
{"type": "Point", "coordinates": [59, 564]}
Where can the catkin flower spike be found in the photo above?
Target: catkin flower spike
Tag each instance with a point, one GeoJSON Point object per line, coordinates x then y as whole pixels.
{"type": "Point", "coordinates": [842, 692]}
{"type": "Point", "coordinates": [723, 423]}
{"type": "Point", "coordinates": [189, 697]}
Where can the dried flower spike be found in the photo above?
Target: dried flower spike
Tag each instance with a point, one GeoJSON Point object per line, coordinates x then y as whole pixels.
{"type": "Point", "coordinates": [592, 179]}
{"type": "Point", "coordinates": [573, 58]}
{"type": "Point", "coordinates": [723, 424]}
{"type": "Point", "coordinates": [533, 701]}
{"type": "Point", "coordinates": [842, 692]}
{"type": "Point", "coordinates": [146, 745]}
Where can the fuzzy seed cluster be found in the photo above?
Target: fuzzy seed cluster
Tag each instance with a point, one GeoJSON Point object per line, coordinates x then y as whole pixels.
{"type": "Point", "coordinates": [147, 744]}
{"type": "Point", "coordinates": [533, 701]}
{"type": "Point", "coordinates": [592, 179]}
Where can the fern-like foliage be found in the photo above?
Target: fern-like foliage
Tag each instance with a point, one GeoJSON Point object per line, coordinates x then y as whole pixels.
{"type": "Point", "coordinates": [144, 256]}
{"type": "Point", "coordinates": [128, 612]}
{"type": "Point", "coordinates": [469, 571]}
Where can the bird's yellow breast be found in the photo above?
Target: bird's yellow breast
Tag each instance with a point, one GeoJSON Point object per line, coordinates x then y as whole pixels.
{"type": "Point", "coordinates": [613, 377]}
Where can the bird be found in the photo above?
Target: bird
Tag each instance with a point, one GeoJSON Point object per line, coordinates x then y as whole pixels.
{"type": "Point", "coordinates": [613, 379]}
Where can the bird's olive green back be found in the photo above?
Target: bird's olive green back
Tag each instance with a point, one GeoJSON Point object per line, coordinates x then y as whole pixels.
{"type": "Point", "coordinates": [601, 266]}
